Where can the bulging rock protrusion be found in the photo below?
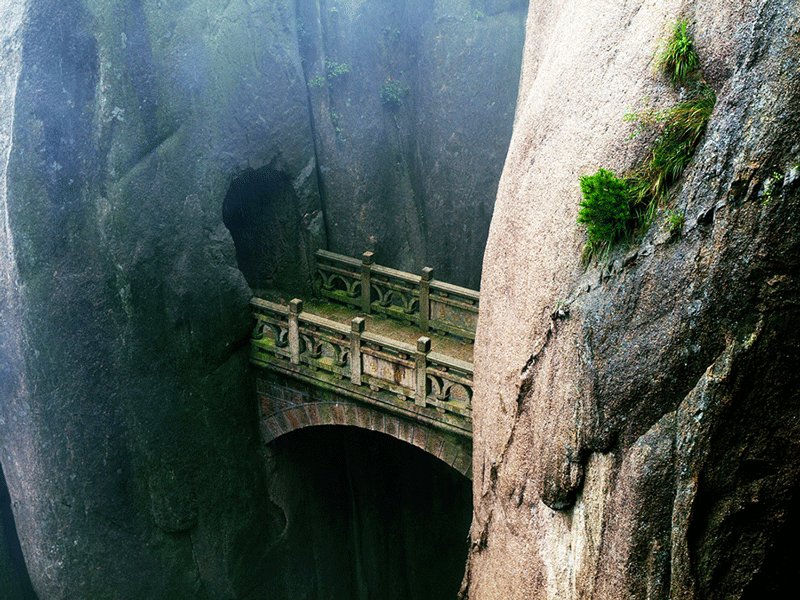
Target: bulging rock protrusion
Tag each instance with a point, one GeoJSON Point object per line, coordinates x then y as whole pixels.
{"type": "Point", "coordinates": [562, 479]}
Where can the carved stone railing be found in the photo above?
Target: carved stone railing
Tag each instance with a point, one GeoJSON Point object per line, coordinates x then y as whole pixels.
{"type": "Point", "coordinates": [418, 299]}
{"type": "Point", "coordinates": [410, 380]}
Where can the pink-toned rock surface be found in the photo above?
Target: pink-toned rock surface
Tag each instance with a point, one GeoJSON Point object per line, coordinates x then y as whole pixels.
{"type": "Point", "coordinates": [643, 443]}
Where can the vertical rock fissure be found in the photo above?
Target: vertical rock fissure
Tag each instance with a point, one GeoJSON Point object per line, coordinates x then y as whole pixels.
{"type": "Point", "coordinates": [417, 192]}
{"type": "Point", "coordinates": [318, 171]}
{"type": "Point", "coordinates": [312, 121]}
{"type": "Point", "coordinates": [198, 570]}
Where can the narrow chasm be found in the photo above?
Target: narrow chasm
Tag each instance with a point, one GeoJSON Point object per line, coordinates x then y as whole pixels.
{"type": "Point", "coordinates": [402, 114]}
{"type": "Point", "coordinates": [367, 516]}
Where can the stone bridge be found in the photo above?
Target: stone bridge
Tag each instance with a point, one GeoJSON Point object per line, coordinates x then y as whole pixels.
{"type": "Point", "coordinates": [384, 350]}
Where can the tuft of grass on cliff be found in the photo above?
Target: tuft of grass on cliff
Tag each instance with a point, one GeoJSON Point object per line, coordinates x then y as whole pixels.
{"type": "Point", "coordinates": [679, 60]}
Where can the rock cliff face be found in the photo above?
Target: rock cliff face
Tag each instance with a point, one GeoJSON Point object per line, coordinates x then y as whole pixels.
{"type": "Point", "coordinates": [636, 422]}
{"type": "Point", "coordinates": [146, 146]}
{"type": "Point", "coordinates": [412, 104]}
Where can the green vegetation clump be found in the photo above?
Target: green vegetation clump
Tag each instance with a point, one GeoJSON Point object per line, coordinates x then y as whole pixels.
{"type": "Point", "coordinates": [681, 128]}
{"type": "Point", "coordinates": [335, 69]}
{"type": "Point", "coordinates": [606, 209]}
{"type": "Point", "coordinates": [677, 132]}
{"type": "Point", "coordinates": [674, 221]}
{"type": "Point", "coordinates": [317, 81]}
{"type": "Point", "coordinates": [768, 190]}
{"type": "Point", "coordinates": [336, 121]}
{"type": "Point", "coordinates": [393, 92]}
{"type": "Point", "coordinates": [679, 59]}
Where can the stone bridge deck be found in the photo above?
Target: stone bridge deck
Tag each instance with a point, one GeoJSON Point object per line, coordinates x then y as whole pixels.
{"type": "Point", "coordinates": [327, 364]}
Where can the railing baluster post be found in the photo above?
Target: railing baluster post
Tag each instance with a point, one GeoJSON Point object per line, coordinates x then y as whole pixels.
{"type": "Point", "coordinates": [295, 308]}
{"type": "Point", "coordinates": [425, 298]}
{"type": "Point", "coordinates": [366, 283]}
{"type": "Point", "coordinates": [356, 329]}
{"type": "Point", "coordinates": [421, 360]}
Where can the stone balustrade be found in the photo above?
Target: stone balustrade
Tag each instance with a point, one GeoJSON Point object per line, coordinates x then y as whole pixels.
{"type": "Point", "coordinates": [410, 381]}
{"type": "Point", "coordinates": [418, 299]}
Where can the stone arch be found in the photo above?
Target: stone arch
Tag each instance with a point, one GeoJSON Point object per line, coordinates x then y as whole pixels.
{"type": "Point", "coordinates": [280, 415]}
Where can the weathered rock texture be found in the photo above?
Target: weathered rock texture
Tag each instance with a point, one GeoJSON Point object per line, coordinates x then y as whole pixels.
{"type": "Point", "coordinates": [128, 442]}
{"type": "Point", "coordinates": [645, 442]}
{"type": "Point", "coordinates": [132, 134]}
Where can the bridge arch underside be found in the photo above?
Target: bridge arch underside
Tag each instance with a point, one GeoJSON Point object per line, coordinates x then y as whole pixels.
{"type": "Point", "coordinates": [287, 404]}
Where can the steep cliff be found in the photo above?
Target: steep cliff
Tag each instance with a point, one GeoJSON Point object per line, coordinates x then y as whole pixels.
{"type": "Point", "coordinates": [128, 442]}
{"type": "Point", "coordinates": [636, 421]}
{"type": "Point", "coordinates": [155, 155]}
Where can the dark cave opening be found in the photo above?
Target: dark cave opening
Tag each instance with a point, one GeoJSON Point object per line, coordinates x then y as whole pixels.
{"type": "Point", "coordinates": [261, 211]}
{"type": "Point", "coordinates": [367, 516]}
{"type": "Point", "coordinates": [776, 579]}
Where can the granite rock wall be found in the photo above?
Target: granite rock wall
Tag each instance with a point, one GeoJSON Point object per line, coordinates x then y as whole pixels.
{"type": "Point", "coordinates": [636, 431]}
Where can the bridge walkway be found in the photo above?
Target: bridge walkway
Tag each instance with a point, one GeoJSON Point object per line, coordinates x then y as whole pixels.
{"type": "Point", "coordinates": [380, 324]}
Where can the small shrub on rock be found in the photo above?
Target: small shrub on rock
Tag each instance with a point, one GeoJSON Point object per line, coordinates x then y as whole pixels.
{"type": "Point", "coordinates": [674, 221]}
{"type": "Point", "coordinates": [605, 210]}
{"type": "Point", "coordinates": [617, 208]}
{"type": "Point", "coordinates": [317, 81]}
{"type": "Point", "coordinates": [335, 69]}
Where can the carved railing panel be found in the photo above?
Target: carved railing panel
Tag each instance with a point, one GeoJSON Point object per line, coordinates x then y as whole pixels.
{"type": "Point", "coordinates": [453, 309]}
{"type": "Point", "coordinates": [339, 278]}
{"type": "Point", "coordinates": [417, 299]}
{"type": "Point", "coordinates": [325, 345]}
{"type": "Point", "coordinates": [449, 384]}
{"type": "Point", "coordinates": [328, 352]}
{"type": "Point", "coordinates": [270, 334]}
{"type": "Point", "coordinates": [388, 365]}
{"type": "Point", "coordinates": [394, 294]}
